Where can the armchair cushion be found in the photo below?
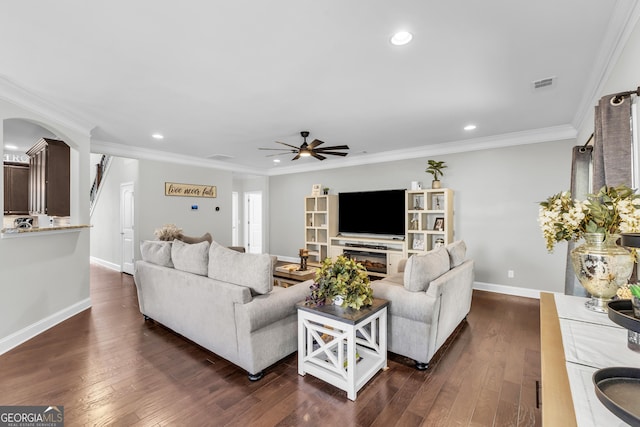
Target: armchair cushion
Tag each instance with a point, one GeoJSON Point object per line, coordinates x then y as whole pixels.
{"type": "Point", "coordinates": [420, 270]}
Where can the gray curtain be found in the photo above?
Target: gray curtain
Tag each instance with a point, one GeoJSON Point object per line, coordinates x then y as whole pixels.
{"type": "Point", "coordinates": [612, 145]}
{"type": "Point", "coordinates": [611, 160]}
{"type": "Point", "coordinates": [580, 188]}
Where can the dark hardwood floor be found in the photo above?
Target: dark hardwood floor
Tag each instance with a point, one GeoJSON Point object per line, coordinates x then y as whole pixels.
{"type": "Point", "coordinates": [107, 366]}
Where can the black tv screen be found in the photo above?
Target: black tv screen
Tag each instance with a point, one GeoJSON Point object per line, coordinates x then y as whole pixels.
{"type": "Point", "coordinates": [372, 212]}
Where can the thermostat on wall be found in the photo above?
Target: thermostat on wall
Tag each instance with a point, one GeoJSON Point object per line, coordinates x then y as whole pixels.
{"type": "Point", "coordinates": [194, 207]}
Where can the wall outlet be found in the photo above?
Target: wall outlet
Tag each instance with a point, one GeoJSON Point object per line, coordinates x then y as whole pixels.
{"type": "Point", "coordinates": [510, 274]}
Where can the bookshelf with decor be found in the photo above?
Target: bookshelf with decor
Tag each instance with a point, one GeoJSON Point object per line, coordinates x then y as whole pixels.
{"type": "Point", "coordinates": [429, 219]}
{"type": "Point", "coordinates": [320, 224]}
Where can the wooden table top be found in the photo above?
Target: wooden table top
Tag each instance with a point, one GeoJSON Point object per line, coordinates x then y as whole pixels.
{"type": "Point", "coordinates": [557, 403]}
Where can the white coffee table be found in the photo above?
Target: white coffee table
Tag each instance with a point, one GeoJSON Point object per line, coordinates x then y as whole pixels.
{"type": "Point", "coordinates": [330, 337]}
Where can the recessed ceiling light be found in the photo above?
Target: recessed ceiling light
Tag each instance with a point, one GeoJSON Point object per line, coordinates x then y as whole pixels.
{"type": "Point", "coordinates": [157, 136]}
{"type": "Point", "coordinates": [401, 38]}
{"type": "Point", "coordinates": [276, 160]}
{"type": "Point", "coordinates": [470, 127]}
{"type": "Point", "coordinates": [10, 147]}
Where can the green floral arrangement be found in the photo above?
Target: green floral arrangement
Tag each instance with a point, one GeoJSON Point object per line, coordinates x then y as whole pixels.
{"type": "Point", "coordinates": [343, 278]}
{"type": "Point", "coordinates": [611, 210]}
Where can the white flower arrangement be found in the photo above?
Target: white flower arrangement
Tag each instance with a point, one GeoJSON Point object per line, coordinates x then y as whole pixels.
{"type": "Point", "coordinates": [612, 210]}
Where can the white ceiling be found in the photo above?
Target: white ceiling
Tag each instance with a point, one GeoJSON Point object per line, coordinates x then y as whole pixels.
{"type": "Point", "coordinates": [228, 77]}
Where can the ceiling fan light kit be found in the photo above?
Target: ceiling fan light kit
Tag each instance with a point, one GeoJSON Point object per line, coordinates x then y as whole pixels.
{"type": "Point", "coordinates": [309, 150]}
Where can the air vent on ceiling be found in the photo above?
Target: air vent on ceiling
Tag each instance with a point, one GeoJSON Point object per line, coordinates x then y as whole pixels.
{"type": "Point", "coordinates": [220, 157]}
{"type": "Point", "coordinates": [543, 83]}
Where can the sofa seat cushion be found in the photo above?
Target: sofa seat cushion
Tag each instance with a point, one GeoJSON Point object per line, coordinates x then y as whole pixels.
{"type": "Point", "coordinates": [156, 252]}
{"type": "Point", "coordinates": [457, 252]}
{"type": "Point", "coordinates": [192, 258]}
{"type": "Point", "coordinates": [410, 305]}
{"type": "Point", "coordinates": [420, 270]}
{"type": "Point", "coordinates": [254, 271]}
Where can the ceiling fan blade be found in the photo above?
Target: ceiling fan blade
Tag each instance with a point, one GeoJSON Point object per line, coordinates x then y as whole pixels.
{"type": "Point", "coordinates": [280, 149]}
{"type": "Point", "coordinates": [296, 157]}
{"type": "Point", "coordinates": [278, 154]}
{"type": "Point", "coordinates": [334, 147]}
{"type": "Point", "coordinates": [315, 143]}
{"type": "Point", "coordinates": [334, 153]}
{"type": "Point", "coordinates": [288, 145]}
{"type": "Point", "coordinates": [317, 156]}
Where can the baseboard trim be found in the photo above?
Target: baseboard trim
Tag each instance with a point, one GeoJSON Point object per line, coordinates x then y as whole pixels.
{"type": "Point", "coordinates": [507, 290]}
{"type": "Point", "coordinates": [9, 342]}
{"type": "Point", "coordinates": [107, 264]}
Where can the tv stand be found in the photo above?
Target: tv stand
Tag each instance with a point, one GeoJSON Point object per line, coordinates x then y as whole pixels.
{"type": "Point", "coordinates": [372, 251]}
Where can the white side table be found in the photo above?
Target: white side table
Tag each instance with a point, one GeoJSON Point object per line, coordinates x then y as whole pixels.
{"type": "Point", "coordinates": [342, 346]}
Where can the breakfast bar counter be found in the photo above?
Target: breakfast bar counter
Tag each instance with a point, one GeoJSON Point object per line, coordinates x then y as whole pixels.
{"type": "Point", "coordinates": [6, 233]}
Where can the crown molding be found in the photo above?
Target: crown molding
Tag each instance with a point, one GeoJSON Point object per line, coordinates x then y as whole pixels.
{"type": "Point", "coordinates": [128, 151]}
{"type": "Point", "coordinates": [21, 97]}
{"type": "Point", "coordinates": [555, 133]}
{"type": "Point", "coordinates": [621, 25]}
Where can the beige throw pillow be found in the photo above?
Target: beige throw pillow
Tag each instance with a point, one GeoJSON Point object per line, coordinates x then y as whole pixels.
{"type": "Point", "coordinates": [156, 252]}
{"type": "Point", "coordinates": [421, 270]}
{"type": "Point", "coordinates": [254, 271]}
{"type": "Point", "coordinates": [457, 252]}
{"type": "Point", "coordinates": [192, 258]}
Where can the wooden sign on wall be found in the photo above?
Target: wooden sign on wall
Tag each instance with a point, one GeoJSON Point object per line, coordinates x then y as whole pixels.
{"type": "Point", "coordinates": [189, 190]}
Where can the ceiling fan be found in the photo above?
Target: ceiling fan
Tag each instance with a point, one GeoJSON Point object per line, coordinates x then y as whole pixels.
{"type": "Point", "coordinates": [306, 150]}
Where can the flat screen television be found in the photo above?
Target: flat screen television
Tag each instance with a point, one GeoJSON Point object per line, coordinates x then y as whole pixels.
{"type": "Point", "coordinates": [379, 213]}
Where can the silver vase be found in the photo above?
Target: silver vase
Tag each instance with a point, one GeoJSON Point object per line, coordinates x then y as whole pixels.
{"type": "Point", "coordinates": [601, 267]}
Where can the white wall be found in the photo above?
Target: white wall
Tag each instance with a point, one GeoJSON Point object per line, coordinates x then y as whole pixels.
{"type": "Point", "coordinates": [154, 209]}
{"type": "Point", "coordinates": [244, 183]}
{"type": "Point", "coordinates": [45, 278]}
{"type": "Point", "coordinates": [496, 206]}
{"type": "Point", "coordinates": [623, 76]}
{"type": "Point", "coordinates": [106, 240]}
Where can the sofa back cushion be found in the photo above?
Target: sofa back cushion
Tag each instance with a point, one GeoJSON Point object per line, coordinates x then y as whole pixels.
{"type": "Point", "coordinates": [254, 271]}
{"type": "Point", "coordinates": [457, 252]}
{"type": "Point", "coordinates": [192, 258]}
{"type": "Point", "coordinates": [156, 252]}
{"type": "Point", "coordinates": [421, 270]}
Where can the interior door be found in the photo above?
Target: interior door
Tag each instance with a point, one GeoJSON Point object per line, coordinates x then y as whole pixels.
{"type": "Point", "coordinates": [127, 226]}
{"type": "Point", "coordinates": [253, 216]}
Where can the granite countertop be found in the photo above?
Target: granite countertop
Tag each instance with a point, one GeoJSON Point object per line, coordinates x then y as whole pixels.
{"type": "Point", "coordinates": [14, 231]}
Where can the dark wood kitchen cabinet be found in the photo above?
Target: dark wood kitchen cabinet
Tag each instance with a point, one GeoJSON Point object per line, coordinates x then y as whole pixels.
{"type": "Point", "coordinates": [49, 178]}
{"type": "Point", "coordinates": [16, 189]}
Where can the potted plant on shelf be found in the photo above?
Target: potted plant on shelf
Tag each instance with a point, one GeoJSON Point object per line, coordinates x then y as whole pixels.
{"type": "Point", "coordinates": [344, 282]}
{"type": "Point", "coordinates": [435, 167]}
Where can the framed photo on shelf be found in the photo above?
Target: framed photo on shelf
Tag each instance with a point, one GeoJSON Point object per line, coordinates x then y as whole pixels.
{"type": "Point", "coordinates": [316, 190]}
{"type": "Point", "coordinates": [418, 244]}
{"type": "Point", "coordinates": [438, 224]}
{"type": "Point", "coordinates": [438, 202]}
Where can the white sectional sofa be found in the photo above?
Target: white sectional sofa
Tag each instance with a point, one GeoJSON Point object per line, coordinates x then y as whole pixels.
{"type": "Point", "coordinates": [221, 299]}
